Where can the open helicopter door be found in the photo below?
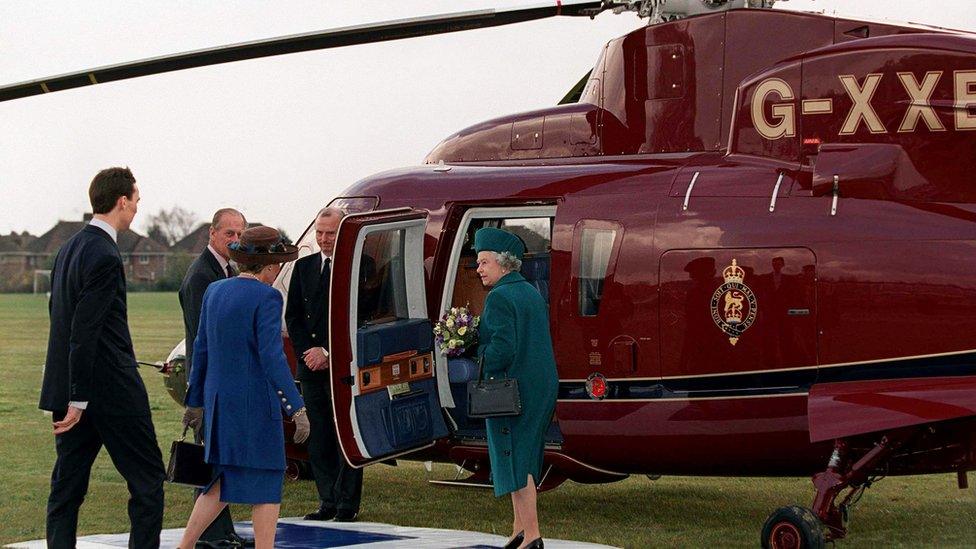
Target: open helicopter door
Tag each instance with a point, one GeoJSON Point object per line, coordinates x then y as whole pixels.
{"type": "Point", "coordinates": [384, 395]}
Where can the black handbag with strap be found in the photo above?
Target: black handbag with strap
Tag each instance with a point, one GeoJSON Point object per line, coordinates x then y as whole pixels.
{"type": "Point", "coordinates": [493, 397]}
{"type": "Point", "coordinates": [186, 463]}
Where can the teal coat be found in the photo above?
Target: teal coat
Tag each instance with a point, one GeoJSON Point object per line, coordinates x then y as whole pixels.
{"type": "Point", "coordinates": [515, 343]}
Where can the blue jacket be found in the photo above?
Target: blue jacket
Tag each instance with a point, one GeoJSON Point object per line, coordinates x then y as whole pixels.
{"type": "Point", "coordinates": [240, 375]}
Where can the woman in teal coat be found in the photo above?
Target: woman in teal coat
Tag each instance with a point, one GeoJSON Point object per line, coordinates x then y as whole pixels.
{"type": "Point", "coordinates": [515, 343]}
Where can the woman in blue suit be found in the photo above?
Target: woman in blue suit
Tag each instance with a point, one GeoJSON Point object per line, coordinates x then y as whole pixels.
{"type": "Point", "coordinates": [240, 386]}
{"type": "Point", "coordinates": [515, 343]}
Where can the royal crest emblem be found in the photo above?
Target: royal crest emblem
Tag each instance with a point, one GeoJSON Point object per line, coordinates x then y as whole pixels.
{"type": "Point", "coordinates": [734, 305]}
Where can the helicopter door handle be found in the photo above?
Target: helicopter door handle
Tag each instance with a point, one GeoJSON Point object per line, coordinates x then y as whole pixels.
{"type": "Point", "coordinates": [836, 192]}
{"type": "Point", "coordinates": [684, 207]}
{"type": "Point", "coordinates": [772, 201]}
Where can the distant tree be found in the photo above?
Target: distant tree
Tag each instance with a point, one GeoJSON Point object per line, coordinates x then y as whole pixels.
{"type": "Point", "coordinates": [169, 226]}
{"type": "Point", "coordinates": [156, 233]}
{"type": "Point", "coordinates": [176, 266]}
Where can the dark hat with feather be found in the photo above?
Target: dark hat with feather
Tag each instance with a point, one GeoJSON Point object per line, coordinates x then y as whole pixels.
{"type": "Point", "coordinates": [262, 246]}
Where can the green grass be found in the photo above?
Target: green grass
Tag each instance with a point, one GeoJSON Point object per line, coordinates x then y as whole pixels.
{"type": "Point", "coordinates": [670, 512]}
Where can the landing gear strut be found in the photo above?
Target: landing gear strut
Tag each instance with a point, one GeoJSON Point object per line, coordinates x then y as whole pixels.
{"type": "Point", "coordinates": [799, 528]}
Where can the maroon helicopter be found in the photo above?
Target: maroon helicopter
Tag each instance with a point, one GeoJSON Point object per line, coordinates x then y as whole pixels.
{"type": "Point", "coordinates": [756, 264]}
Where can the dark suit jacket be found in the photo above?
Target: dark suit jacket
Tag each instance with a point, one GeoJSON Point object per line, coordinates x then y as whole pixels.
{"type": "Point", "coordinates": [307, 314]}
{"type": "Point", "coordinates": [89, 351]}
{"type": "Point", "coordinates": [204, 270]}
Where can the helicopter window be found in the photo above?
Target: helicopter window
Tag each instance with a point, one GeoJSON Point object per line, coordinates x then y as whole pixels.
{"type": "Point", "coordinates": [382, 278]}
{"type": "Point", "coordinates": [595, 248]}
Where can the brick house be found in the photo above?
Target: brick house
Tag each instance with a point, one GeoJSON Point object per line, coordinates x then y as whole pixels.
{"type": "Point", "coordinates": [144, 259]}
{"type": "Point", "coordinates": [14, 272]}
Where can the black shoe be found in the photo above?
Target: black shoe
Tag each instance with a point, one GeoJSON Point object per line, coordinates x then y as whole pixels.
{"type": "Point", "coordinates": [515, 542]}
{"type": "Point", "coordinates": [346, 515]}
{"type": "Point", "coordinates": [536, 544]}
{"type": "Point", "coordinates": [232, 541]}
{"type": "Point", "coordinates": [324, 513]}
{"type": "Point", "coordinates": [242, 541]}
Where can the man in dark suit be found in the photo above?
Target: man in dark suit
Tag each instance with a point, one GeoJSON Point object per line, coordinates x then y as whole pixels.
{"type": "Point", "coordinates": [212, 264]}
{"type": "Point", "coordinates": [91, 382]}
{"type": "Point", "coordinates": [307, 318]}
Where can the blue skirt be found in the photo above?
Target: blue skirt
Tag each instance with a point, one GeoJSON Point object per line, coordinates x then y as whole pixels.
{"type": "Point", "coordinates": [247, 485]}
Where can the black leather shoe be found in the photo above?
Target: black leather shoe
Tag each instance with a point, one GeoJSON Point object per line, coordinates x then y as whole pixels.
{"type": "Point", "coordinates": [535, 544]}
{"type": "Point", "coordinates": [515, 542]}
{"type": "Point", "coordinates": [324, 513]}
{"type": "Point", "coordinates": [232, 541]}
{"type": "Point", "coordinates": [244, 542]}
{"type": "Point", "coordinates": [346, 515]}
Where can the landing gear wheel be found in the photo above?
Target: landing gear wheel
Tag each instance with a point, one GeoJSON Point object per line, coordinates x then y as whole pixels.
{"type": "Point", "coordinates": [793, 527]}
{"type": "Point", "coordinates": [297, 470]}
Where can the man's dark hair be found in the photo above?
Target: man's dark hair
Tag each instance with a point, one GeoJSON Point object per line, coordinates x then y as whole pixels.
{"type": "Point", "coordinates": [215, 222]}
{"type": "Point", "coordinates": [107, 186]}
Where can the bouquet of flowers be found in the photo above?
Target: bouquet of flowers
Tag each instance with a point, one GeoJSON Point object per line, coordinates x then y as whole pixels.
{"type": "Point", "coordinates": [456, 331]}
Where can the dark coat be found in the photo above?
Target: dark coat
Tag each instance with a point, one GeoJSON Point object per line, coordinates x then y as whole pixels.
{"type": "Point", "coordinates": [204, 270]}
{"type": "Point", "coordinates": [240, 375]}
{"type": "Point", "coordinates": [89, 352]}
{"type": "Point", "coordinates": [307, 315]}
{"type": "Point", "coordinates": [515, 343]}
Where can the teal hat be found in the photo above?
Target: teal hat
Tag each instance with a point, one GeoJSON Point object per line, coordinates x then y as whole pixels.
{"type": "Point", "coordinates": [488, 239]}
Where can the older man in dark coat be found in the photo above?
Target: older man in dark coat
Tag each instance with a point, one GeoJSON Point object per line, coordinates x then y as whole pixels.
{"type": "Point", "coordinates": [339, 486]}
{"type": "Point", "coordinates": [211, 265]}
{"type": "Point", "coordinates": [91, 381]}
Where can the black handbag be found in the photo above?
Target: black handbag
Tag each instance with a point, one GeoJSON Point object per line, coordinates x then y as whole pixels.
{"type": "Point", "coordinates": [493, 397]}
{"type": "Point", "coordinates": [186, 464]}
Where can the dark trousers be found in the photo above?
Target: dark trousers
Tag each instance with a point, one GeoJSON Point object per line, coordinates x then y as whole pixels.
{"type": "Point", "coordinates": [131, 443]}
{"type": "Point", "coordinates": [339, 485]}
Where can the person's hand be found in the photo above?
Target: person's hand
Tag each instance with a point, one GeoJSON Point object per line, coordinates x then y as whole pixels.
{"type": "Point", "coordinates": [302, 428]}
{"type": "Point", "coordinates": [316, 359]}
{"type": "Point", "coordinates": [193, 418]}
{"type": "Point", "coordinates": [70, 420]}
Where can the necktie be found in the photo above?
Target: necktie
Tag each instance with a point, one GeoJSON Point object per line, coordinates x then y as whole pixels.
{"type": "Point", "coordinates": [231, 272]}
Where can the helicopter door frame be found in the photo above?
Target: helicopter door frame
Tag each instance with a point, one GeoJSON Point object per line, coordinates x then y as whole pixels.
{"type": "Point", "coordinates": [475, 212]}
{"type": "Point", "coordinates": [384, 397]}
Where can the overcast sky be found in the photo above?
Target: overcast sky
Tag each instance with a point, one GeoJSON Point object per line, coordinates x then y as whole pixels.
{"type": "Point", "coordinates": [280, 137]}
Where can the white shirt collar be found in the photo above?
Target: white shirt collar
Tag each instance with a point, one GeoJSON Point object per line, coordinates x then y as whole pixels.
{"type": "Point", "coordinates": [95, 222]}
{"type": "Point", "coordinates": [220, 258]}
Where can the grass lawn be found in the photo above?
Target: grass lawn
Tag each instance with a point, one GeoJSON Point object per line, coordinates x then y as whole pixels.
{"type": "Point", "coordinates": [670, 512]}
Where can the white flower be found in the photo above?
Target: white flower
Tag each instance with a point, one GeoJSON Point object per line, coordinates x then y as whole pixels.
{"type": "Point", "coordinates": [449, 322]}
{"type": "Point", "coordinates": [454, 311]}
{"type": "Point", "coordinates": [462, 330]}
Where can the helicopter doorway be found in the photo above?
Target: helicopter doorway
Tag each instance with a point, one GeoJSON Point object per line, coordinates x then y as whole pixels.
{"type": "Point", "coordinates": [384, 391]}
{"type": "Point", "coordinates": [463, 288]}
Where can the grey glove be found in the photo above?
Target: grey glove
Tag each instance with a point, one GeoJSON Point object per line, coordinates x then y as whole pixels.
{"type": "Point", "coordinates": [302, 427]}
{"type": "Point", "coordinates": [193, 418]}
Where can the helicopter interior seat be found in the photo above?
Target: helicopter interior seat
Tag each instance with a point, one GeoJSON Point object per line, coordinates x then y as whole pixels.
{"type": "Point", "coordinates": [468, 289]}
{"type": "Point", "coordinates": [535, 269]}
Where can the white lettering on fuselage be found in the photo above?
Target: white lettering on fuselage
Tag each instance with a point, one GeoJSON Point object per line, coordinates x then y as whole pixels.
{"type": "Point", "coordinates": [779, 120]}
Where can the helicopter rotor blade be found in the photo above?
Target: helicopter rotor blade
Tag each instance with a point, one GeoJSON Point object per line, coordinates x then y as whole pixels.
{"type": "Point", "coordinates": [316, 40]}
